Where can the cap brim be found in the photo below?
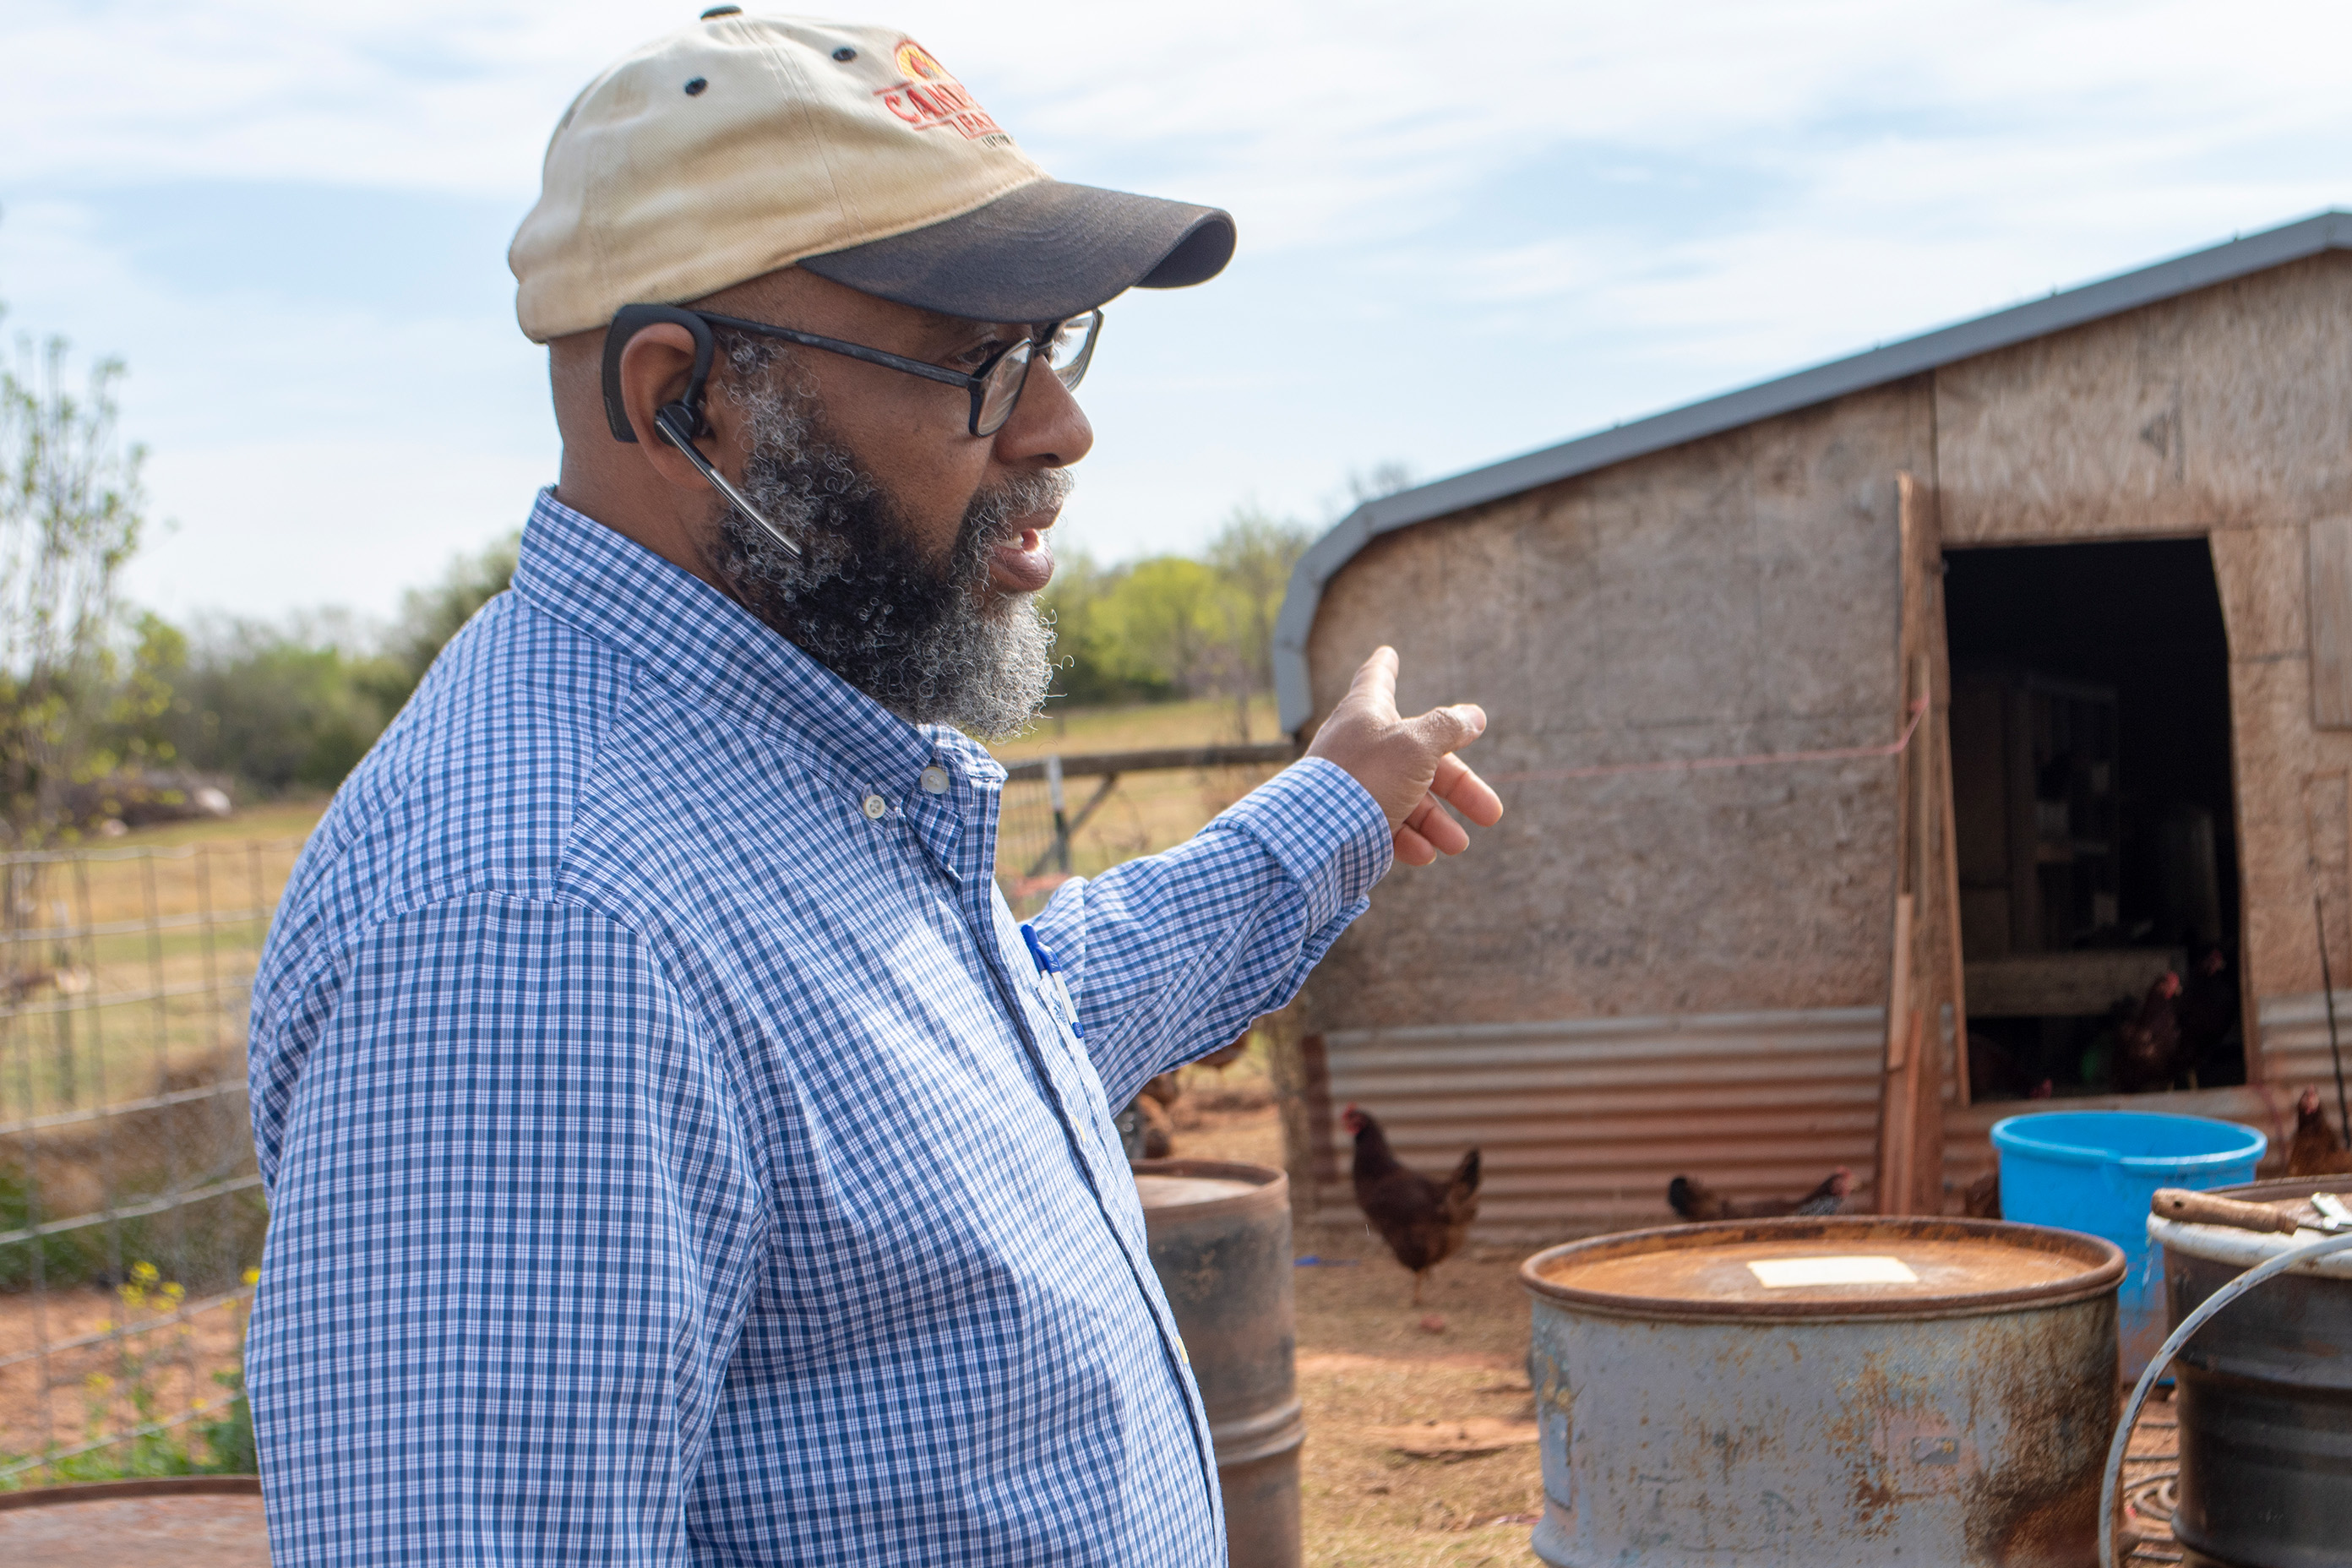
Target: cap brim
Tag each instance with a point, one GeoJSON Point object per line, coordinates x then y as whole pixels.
{"type": "Point", "coordinates": [1043, 252]}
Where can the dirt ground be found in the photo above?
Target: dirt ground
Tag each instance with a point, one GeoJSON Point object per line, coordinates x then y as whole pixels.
{"type": "Point", "coordinates": [1366, 1362]}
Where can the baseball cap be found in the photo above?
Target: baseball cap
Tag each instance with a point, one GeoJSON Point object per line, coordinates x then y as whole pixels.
{"type": "Point", "coordinates": [743, 144]}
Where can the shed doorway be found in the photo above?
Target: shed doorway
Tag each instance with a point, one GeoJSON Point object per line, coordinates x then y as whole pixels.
{"type": "Point", "coordinates": [2094, 821]}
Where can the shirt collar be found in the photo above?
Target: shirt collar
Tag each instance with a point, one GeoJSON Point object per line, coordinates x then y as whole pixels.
{"type": "Point", "coordinates": [696, 641]}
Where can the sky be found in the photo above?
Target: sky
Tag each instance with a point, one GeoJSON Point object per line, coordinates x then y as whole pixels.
{"type": "Point", "coordinates": [1465, 233]}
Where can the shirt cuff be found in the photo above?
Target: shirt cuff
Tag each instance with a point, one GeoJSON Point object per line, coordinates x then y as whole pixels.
{"type": "Point", "coordinates": [1324, 830]}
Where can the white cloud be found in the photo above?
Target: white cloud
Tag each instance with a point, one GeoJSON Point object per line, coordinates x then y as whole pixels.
{"type": "Point", "coordinates": [1464, 234]}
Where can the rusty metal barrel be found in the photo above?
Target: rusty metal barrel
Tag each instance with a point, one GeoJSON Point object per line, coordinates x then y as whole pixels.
{"type": "Point", "coordinates": [188, 1521]}
{"type": "Point", "coordinates": [2264, 1393]}
{"type": "Point", "coordinates": [1841, 1392]}
{"type": "Point", "coordinates": [1220, 1240]}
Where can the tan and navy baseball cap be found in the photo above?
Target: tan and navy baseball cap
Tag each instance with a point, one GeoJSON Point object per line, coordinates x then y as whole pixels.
{"type": "Point", "coordinates": [743, 144]}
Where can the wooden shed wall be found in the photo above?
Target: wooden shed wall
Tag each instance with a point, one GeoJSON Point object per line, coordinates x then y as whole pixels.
{"type": "Point", "coordinates": [1737, 595]}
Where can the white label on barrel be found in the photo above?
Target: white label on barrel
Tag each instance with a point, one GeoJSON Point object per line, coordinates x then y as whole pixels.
{"type": "Point", "coordinates": [1783, 1273]}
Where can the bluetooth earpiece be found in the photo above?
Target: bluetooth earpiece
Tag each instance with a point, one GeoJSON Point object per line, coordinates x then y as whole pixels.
{"type": "Point", "coordinates": [680, 423]}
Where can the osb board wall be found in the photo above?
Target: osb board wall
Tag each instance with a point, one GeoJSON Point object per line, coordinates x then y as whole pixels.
{"type": "Point", "coordinates": [1734, 595]}
{"type": "Point", "coordinates": [2226, 413]}
{"type": "Point", "coordinates": [2230, 407]}
{"type": "Point", "coordinates": [1737, 595]}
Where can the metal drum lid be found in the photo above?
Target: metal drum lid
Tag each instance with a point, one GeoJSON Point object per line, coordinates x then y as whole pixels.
{"type": "Point", "coordinates": [1174, 1192]}
{"type": "Point", "coordinates": [1825, 1268]}
{"type": "Point", "coordinates": [2245, 1248]}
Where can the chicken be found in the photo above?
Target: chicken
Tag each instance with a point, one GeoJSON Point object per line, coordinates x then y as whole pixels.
{"type": "Point", "coordinates": [2148, 1040]}
{"type": "Point", "coordinates": [1982, 1199]}
{"type": "Point", "coordinates": [2315, 1150]}
{"type": "Point", "coordinates": [1422, 1220]}
{"type": "Point", "coordinates": [2211, 1045]}
{"type": "Point", "coordinates": [1695, 1201]}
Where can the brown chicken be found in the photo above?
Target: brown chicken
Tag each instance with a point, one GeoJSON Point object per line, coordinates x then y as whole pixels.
{"type": "Point", "coordinates": [2148, 1053]}
{"type": "Point", "coordinates": [2315, 1150]}
{"type": "Point", "coordinates": [1422, 1220]}
{"type": "Point", "coordinates": [1983, 1198]}
{"type": "Point", "coordinates": [1693, 1201]}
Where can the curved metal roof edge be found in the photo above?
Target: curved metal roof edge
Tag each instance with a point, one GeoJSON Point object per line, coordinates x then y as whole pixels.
{"type": "Point", "coordinates": [2325, 231]}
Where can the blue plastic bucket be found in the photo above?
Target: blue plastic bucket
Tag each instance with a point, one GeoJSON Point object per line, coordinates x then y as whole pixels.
{"type": "Point", "coordinates": [2095, 1171]}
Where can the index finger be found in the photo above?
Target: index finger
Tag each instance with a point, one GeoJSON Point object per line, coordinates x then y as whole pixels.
{"type": "Point", "coordinates": [1376, 677]}
{"type": "Point", "coordinates": [1466, 792]}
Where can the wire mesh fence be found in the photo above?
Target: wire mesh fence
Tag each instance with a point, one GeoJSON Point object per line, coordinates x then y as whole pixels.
{"type": "Point", "coordinates": [1085, 813]}
{"type": "Point", "coordinates": [131, 1211]}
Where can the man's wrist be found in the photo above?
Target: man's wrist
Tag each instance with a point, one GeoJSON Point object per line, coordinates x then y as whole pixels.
{"type": "Point", "coordinates": [1323, 827]}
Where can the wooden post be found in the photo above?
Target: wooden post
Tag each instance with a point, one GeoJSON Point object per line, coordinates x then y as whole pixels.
{"type": "Point", "coordinates": [1302, 1091]}
{"type": "Point", "coordinates": [1896, 1123]}
{"type": "Point", "coordinates": [1926, 975]}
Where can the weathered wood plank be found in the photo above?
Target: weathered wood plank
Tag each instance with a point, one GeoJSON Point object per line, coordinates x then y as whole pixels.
{"type": "Point", "coordinates": [2331, 623]}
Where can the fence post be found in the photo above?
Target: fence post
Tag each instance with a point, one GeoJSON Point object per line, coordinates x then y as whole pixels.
{"type": "Point", "coordinates": [1061, 813]}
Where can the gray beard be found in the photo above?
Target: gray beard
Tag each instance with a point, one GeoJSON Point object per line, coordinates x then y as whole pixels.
{"type": "Point", "coordinates": [935, 644]}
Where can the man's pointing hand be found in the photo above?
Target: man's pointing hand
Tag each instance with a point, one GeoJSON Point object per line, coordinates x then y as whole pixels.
{"type": "Point", "coordinates": [1408, 765]}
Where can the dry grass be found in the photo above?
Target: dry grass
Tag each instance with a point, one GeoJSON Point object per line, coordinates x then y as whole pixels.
{"type": "Point", "coordinates": [1366, 1362]}
{"type": "Point", "coordinates": [1142, 726]}
{"type": "Point", "coordinates": [270, 820]}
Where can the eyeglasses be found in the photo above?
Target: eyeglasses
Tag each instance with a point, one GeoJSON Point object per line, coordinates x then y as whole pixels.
{"type": "Point", "coordinates": [1066, 347]}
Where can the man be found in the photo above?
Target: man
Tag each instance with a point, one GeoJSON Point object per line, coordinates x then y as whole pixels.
{"type": "Point", "coordinates": [676, 1152]}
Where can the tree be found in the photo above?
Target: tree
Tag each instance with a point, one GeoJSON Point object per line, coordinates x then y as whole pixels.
{"type": "Point", "coordinates": [70, 517]}
{"type": "Point", "coordinates": [1254, 554]}
{"type": "Point", "coordinates": [282, 709]}
{"type": "Point", "coordinates": [1164, 614]}
{"type": "Point", "coordinates": [1095, 665]}
{"type": "Point", "coordinates": [430, 616]}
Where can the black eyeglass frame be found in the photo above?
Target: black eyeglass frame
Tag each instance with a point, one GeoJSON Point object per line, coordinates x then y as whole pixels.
{"type": "Point", "coordinates": [631, 319]}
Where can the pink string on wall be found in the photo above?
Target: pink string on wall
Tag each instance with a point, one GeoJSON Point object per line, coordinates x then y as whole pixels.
{"type": "Point", "coordinates": [1893, 748]}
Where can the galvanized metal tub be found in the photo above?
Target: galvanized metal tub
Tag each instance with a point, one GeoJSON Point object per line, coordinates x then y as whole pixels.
{"type": "Point", "coordinates": [188, 1521]}
{"type": "Point", "coordinates": [2263, 1393]}
{"type": "Point", "coordinates": [1219, 1238]}
{"type": "Point", "coordinates": [1779, 1391]}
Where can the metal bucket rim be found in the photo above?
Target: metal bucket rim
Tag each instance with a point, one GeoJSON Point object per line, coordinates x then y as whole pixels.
{"type": "Point", "coordinates": [2102, 1259]}
{"type": "Point", "coordinates": [2007, 1134]}
{"type": "Point", "coordinates": [1272, 1187]}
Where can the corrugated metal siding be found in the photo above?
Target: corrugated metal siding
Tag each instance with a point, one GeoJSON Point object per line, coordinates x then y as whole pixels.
{"type": "Point", "coordinates": [1583, 1121]}
{"type": "Point", "coordinates": [2294, 1054]}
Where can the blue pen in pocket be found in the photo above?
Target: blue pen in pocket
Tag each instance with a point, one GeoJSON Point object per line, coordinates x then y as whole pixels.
{"type": "Point", "coordinates": [1054, 981]}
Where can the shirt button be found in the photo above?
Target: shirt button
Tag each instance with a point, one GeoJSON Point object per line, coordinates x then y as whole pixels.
{"type": "Point", "coordinates": [874, 807]}
{"type": "Point", "coordinates": [935, 780]}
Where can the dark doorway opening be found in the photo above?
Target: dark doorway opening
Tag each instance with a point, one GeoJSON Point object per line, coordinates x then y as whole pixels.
{"type": "Point", "coordinates": [2094, 826]}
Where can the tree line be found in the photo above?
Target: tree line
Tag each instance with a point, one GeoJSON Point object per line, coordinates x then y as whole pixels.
{"type": "Point", "coordinates": [106, 711]}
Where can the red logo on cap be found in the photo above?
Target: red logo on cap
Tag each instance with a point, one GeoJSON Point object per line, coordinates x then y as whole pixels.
{"type": "Point", "coordinates": [929, 98]}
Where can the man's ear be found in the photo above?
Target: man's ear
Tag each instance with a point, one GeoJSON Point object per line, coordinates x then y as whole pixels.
{"type": "Point", "coordinates": [654, 369]}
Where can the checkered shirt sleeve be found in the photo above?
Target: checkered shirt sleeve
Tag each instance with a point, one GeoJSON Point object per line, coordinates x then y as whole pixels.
{"type": "Point", "coordinates": [1171, 956]}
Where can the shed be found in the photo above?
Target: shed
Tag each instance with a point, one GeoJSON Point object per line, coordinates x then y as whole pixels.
{"type": "Point", "coordinates": [1873, 738]}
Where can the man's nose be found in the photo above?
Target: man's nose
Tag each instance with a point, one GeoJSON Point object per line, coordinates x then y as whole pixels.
{"type": "Point", "coordinates": [1048, 429]}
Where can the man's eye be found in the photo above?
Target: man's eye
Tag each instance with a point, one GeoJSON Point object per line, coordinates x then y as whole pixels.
{"type": "Point", "coordinates": [980, 354]}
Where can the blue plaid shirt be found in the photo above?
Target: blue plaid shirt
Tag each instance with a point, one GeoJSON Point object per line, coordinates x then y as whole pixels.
{"type": "Point", "coordinates": [675, 1151]}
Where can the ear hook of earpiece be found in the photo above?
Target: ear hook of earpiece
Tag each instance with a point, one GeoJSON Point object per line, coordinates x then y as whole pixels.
{"type": "Point", "coordinates": [681, 422]}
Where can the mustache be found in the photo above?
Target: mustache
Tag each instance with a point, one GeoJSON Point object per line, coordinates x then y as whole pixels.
{"type": "Point", "coordinates": [995, 513]}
